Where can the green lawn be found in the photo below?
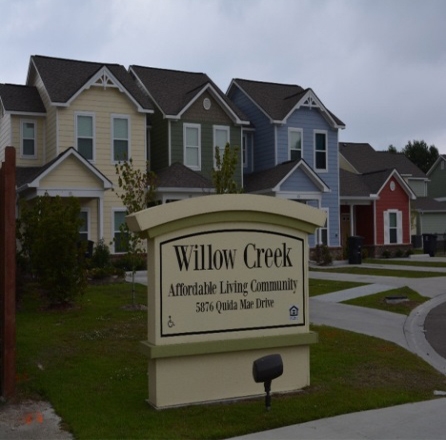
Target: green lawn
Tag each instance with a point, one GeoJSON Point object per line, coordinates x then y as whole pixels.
{"type": "Point", "coordinates": [381, 272]}
{"type": "Point", "coordinates": [421, 263]}
{"type": "Point", "coordinates": [378, 300]}
{"type": "Point", "coordinates": [321, 287]}
{"type": "Point", "coordinates": [86, 362]}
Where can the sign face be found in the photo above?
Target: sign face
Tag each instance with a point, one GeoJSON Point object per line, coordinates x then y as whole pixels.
{"type": "Point", "coordinates": [231, 280]}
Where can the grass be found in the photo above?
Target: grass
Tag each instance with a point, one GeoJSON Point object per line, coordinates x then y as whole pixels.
{"type": "Point", "coordinates": [321, 287]}
{"type": "Point", "coordinates": [86, 362]}
{"type": "Point", "coordinates": [378, 301]}
{"type": "Point", "coordinates": [407, 262]}
{"type": "Point", "coordinates": [381, 272]}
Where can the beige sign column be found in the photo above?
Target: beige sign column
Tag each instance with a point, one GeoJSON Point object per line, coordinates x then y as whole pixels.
{"type": "Point", "coordinates": [227, 284]}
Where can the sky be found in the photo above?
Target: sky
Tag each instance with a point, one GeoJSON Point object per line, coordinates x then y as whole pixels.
{"type": "Point", "coordinates": [378, 65]}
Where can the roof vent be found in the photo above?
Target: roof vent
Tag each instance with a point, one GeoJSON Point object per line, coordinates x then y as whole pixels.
{"type": "Point", "coordinates": [206, 103]}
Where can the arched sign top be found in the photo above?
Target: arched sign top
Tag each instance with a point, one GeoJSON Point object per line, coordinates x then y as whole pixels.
{"type": "Point", "coordinates": [170, 217]}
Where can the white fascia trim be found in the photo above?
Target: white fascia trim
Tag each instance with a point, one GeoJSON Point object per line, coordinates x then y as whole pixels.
{"type": "Point", "coordinates": [318, 105]}
{"type": "Point", "coordinates": [217, 97]}
{"type": "Point", "coordinates": [363, 198]}
{"type": "Point", "coordinates": [141, 84]}
{"type": "Point", "coordinates": [402, 182]}
{"type": "Point", "coordinates": [185, 190]}
{"type": "Point", "coordinates": [33, 114]}
{"type": "Point", "coordinates": [292, 195]}
{"type": "Point", "coordinates": [92, 82]}
{"type": "Point", "coordinates": [71, 152]}
{"type": "Point", "coordinates": [431, 169]}
{"type": "Point", "coordinates": [68, 192]}
{"type": "Point", "coordinates": [309, 173]}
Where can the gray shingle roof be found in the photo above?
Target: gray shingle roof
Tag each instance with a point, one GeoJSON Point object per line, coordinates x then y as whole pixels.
{"type": "Point", "coordinates": [18, 98]}
{"type": "Point", "coordinates": [365, 160]}
{"type": "Point", "coordinates": [362, 185]}
{"type": "Point", "coordinates": [62, 78]}
{"type": "Point", "coordinates": [269, 178]}
{"type": "Point", "coordinates": [428, 204]}
{"type": "Point", "coordinates": [276, 100]}
{"type": "Point", "coordinates": [178, 175]}
{"type": "Point", "coordinates": [173, 90]}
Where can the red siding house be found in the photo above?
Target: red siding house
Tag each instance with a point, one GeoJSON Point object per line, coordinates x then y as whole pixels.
{"type": "Point", "coordinates": [375, 205]}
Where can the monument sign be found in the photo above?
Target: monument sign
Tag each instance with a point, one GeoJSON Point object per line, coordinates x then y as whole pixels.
{"type": "Point", "coordinates": [227, 284]}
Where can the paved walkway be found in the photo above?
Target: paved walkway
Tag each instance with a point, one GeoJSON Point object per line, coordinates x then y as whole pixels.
{"type": "Point", "coordinates": [423, 332]}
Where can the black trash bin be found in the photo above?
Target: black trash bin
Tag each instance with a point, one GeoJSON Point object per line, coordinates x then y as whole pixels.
{"type": "Point", "coordinates": [430, 244]}
{"type": "Point", "coordinates": [355, 249]}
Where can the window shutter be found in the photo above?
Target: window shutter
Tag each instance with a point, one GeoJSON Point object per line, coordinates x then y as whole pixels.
{"type": "Point", "coordinates": [399, 219]}
{"type": "Point", "coordinates": [386, 228]}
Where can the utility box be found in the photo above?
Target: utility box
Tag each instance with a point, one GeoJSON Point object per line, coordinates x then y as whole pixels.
{"type": "Point", "coordinates": [430, 244]}
{"type": "Point", "coordinates": [355, 249]}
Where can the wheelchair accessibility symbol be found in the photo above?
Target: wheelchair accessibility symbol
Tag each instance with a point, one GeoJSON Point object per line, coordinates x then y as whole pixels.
{"type": "Point", "coordinates": [170, 323]}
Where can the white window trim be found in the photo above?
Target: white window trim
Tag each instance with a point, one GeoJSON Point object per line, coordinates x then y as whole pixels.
{"type": "Point", "coordinates": [399, 226]}
{"type": "Point", "coordinates": [295, 130]}
{"type": "Point", "coordinates": [114, 116]}
{"type": "Point", "coordinates": [22, 153]}
{"type": "Point", "coordinates": [198, 127]}
{"type": "Point", "coordinates": [315, 132]}
{"type": "Point", "coordinates": [93, 116]}
{"type": "Point", "coordinates": [115, 210]}
{"type": "Point", "coordinates": [222, 148]}
{"type": "Point", "coordinates": [319, 231]}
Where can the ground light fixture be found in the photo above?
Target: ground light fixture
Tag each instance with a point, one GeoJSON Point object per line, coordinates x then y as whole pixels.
{"type": "Point", "coordinates": [265, 369]}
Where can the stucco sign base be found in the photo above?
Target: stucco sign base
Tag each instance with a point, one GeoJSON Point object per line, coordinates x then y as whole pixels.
{"type": "Point", "coordinates": [227, 284]}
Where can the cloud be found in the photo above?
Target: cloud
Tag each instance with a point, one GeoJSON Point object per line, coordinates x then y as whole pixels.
{"type": "Point", "coordinates": [379, 65]}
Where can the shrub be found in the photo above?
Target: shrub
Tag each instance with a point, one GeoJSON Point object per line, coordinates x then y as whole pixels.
{"type": "Point", "coordinates": [101, 256]}
{"type": "Point", "coordinates": [386, 253]}
{"type": "Point", "coordinates": [48, 232]}
{"type": "Point", "coordinates": [322, 254]}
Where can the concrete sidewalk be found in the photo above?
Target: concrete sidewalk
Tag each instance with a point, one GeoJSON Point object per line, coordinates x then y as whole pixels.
{"type": "Point", "coordinates": [424, 420]}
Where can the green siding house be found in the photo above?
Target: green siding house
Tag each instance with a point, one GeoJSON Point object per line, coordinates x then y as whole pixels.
{"type": "Point", "coordinates": [192, 117]}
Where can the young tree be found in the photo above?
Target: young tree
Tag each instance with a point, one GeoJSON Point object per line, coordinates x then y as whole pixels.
{"type": "Point", "coordinates": [223, 174]}
{"type": "Point", "coordinates": [420, 154]}
{"type": "Point", "coordinates": [392, 149]}
{"type": "Point", "coordinates": [48, 232]}
{"type": "Point", "coordinates": [137, 192]}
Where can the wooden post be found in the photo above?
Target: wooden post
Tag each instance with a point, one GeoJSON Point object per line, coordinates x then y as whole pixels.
{"type": "Point", "coordinates": [8, 274]}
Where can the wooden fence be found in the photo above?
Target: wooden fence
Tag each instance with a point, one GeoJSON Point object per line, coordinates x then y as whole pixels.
{"type": "Point", "coordinates": [7, 275]}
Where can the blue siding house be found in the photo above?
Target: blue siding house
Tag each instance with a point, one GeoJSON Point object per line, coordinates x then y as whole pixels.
{"type": "Point", "coordinates": [291, 148]}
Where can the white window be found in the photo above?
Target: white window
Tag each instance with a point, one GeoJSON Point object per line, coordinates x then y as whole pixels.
{"type": "Point", "coordinates": [192, 146]}
{"type": "Point", "coordinates": [393, 227]}
{"type": "Point", "coordinates": [85, 134]}
{"type": "Point", "coordinates": [119, 239]}
{"type": "Point", "coordinates": [221, 138]}
{"type": "Point", "coordinates": [85, 226]}
{"type": "Point", "coordinates": [120, 137]}
{"type": "Point", "coordinates": [294, 144]}
{"type": "Point", "coordinates": [28, 139]}
{"type": "Point", "coordinates": [322, 234]}
{"type": "Point", "coordinates": [320, 150]}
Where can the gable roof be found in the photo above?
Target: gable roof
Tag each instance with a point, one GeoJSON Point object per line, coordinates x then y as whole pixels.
{"type": "Point", "coordinates": [21, 99]}
{"type": "Point", "coordinates": [173, 91]}
{"type": "Point", "coordinates": [369, 185]}
{"type": "Point", "coordinates": [365, 159]}
{"type": "Point", "coordinates": [272, 178]}
{"type": "Point", "coordinates": [64, 79]}
{"type": "Point", "coordinates": [440, 158]}
{"type": "Point", "coordinates": [29, 177]}
{"type": "Point", "coordinates": [427, 204]}
{"type": "Point", "coordinates": [178, 175]}
{"type": "Point", "coordinates": [278, 101]}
